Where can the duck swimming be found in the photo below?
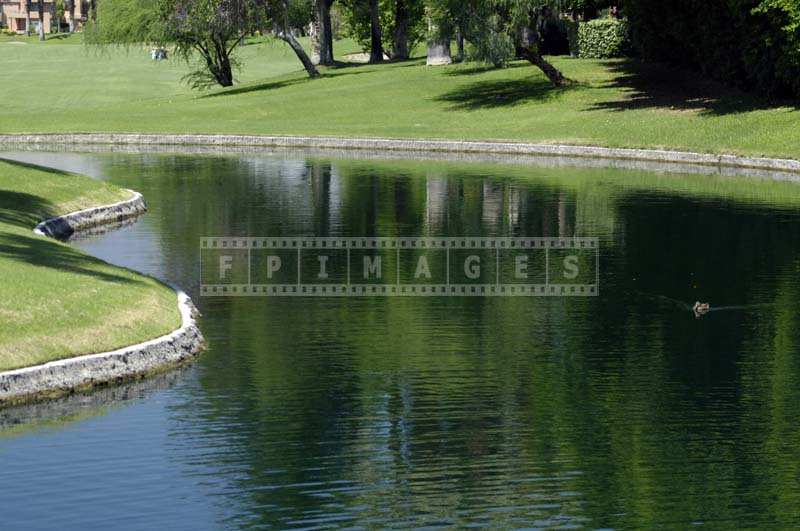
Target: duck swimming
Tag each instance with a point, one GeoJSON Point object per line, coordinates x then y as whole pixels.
{"type": "Point", "coordinates": [700, 309]}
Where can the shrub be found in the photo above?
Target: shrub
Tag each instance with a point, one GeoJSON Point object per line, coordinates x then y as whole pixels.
{"type": "Point", "coordinates": [754, 44]}
{"type": "Point", "coordinates": [603, 38]}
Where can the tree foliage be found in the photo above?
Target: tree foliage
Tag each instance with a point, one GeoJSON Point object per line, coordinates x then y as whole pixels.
{"type": "Point", "coordinates": [752, 43]}
{"type": "Point", "coordinates": [356, 18]}
{"type": "Point", "coordinates": [205, 32]}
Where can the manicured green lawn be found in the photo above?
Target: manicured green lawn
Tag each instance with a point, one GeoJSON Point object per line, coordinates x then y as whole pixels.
{"type": "Point", "coordinates": [55, 301]}
{"type": "Point", "coordinates": [61, 87]}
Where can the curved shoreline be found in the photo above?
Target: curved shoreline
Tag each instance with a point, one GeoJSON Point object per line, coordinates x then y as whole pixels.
{"type": "Point", "coordinates": [388, 144]}
{"type": "Point", "coordinates": [71, 374]}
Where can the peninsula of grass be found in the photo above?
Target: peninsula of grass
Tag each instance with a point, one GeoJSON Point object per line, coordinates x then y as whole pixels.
{"type": "Point", "coordinates": [69, 88]}
{"type": "Point", "coordinates": [55, 301]}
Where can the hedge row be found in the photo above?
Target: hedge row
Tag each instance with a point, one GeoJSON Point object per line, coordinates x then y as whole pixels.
{"type": "Point", "coordinates": [603, 38]}
{"type": "Point", "coordinates": [752, 43]}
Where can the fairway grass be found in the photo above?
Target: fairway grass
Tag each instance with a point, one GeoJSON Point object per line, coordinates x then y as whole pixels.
{"type": "Point", "coordinates": [69, 88]}
{"type": "Point", "coordinates": [55, 301]}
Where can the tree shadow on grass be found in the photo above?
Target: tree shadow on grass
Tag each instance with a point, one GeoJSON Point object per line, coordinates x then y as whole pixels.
{"type": "Point", "coordinates": [475, 69]}
{"type": "Point", "coordinates": [40, 252]}
{"type": "Point", "coordinates": [260, 87]}
{"type": "Point", "coordinates": [339, 70]}
{"type": "Point", "coordinates": [658, 86]}
{"type": "Point", "coordinates": [501, 93]}
{"type": "Point", "coordinates": [58, 36]}
{"type": "Point", "coordinates": [23, 210]}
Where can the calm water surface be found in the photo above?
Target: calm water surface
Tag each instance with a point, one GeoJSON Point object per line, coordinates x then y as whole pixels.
{"type": "Point", "coordinates": [616, 411]}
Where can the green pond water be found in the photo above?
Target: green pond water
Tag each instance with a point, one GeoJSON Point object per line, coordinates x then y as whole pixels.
{"type": "Point", "coordinates": [621, 410]}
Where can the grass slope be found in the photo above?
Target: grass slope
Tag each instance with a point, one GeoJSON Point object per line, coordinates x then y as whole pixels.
{"type": "Point", "coordinates": [66, 88]}
{"type": "Point", "coordinates": [55, 301]}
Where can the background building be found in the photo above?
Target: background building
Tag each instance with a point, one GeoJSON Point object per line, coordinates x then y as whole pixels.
{"type": "Point", "coordinates": [15, 14]}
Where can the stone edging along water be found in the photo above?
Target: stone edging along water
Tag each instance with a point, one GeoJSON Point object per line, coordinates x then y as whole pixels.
{"type": "Point", "coordinates": [67, 375]}
{"type": "Point", "coordinates": [453, 146]}
{"type": "Point", "coordinates": [62, 227]}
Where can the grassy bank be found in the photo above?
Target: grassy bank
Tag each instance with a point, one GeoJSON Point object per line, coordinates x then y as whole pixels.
{"type": "Point", "coordinates": [66, 88]}
{"type": "Point", "coordinates": [55, 301]}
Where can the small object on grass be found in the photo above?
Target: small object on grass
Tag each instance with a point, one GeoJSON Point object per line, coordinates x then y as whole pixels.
{"type": "Point", "coordinates": [158, 54]}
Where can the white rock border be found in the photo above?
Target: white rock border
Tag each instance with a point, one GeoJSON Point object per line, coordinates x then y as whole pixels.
{"type": "Point", "coordinates": [70, 374]}
{"type": "Point", "coordinates": [62, 227]}
{"type": "Point", "coordinates": [452, 146]}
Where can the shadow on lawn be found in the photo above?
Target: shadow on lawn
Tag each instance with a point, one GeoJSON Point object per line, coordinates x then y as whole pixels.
{"type": "Point", "coordinates": [657, 86]}
{"type": "Point", "coordinates": [23, 210]}
{"type": "Point", "coordinates": [475, 69]}
{"type": "Point", "coordinates": [255, 88]}
{"type": "Point", "coordinates": [501, 93]}
{"type": "Point", "coordinates": [41, 252]}
{"type": "Point", "coordinates": [339, 70]}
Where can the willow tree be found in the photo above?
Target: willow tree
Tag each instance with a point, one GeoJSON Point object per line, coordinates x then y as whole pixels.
{"type": "Point", "coordinates": [205, 33]}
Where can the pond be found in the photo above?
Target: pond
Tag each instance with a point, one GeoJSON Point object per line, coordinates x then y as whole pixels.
{"type": "Point", "coordinates": [620, 410]}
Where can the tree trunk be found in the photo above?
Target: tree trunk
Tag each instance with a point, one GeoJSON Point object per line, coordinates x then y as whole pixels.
{"type": "Point", "coordinates": [438, 46]}
{"type": "Point", "coordinates": [28, 17]}
{"type": "Point", "coordinates": [313, 36]}
{"type": "Point", "coordinates": [376, 49]}
{"type": "Point", "coordinates": [439, 52]}
{"type": "Point", "coordinates": [71, 7]}
{"type": "Point", "coordinates": [287, 37]}
{"type": "Point", "coordinates": [552, 73]}
{"type": "Point", "coordinates": [225, 74]}
{"type": "Point", "coordinates": [325, 29]}
{"type": "Point", "coordinates": [41, 20]}
{"type": "Point", "coordinates": [400, 41]}
{"type": "Point", "coordinates": [459, 45]}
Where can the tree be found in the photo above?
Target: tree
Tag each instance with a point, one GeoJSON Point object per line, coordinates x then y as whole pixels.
{"type": "Point", "coordinates": [40, 5]}
{"type": "Point", "coordinates": [210, 28]}
{"type": "Point", "coordinates": [70, 7]}
{"type": "Point", "coordinates": [27, 17]}
{"type": "Point", "coordinates": [401, 24]}
{"type": "Point", "coordinates": [376, 44]}
{"type": "Point", "coordinates": [446, 19]}
{"type": "Point", "coordinates": [408, 27]}
{"type": "Point", "coordinates": [438, 42]}
{"type": "Point", "coordinates": [751, 43]}
{"type": "Point", "coordinates": [279, 13]}
{"type": "Point", "coordinates": [322, 11]}
{"type": "Point", "coordinates": [205, 32]}
{"type": "Point", "coordinates": [499, 29]}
